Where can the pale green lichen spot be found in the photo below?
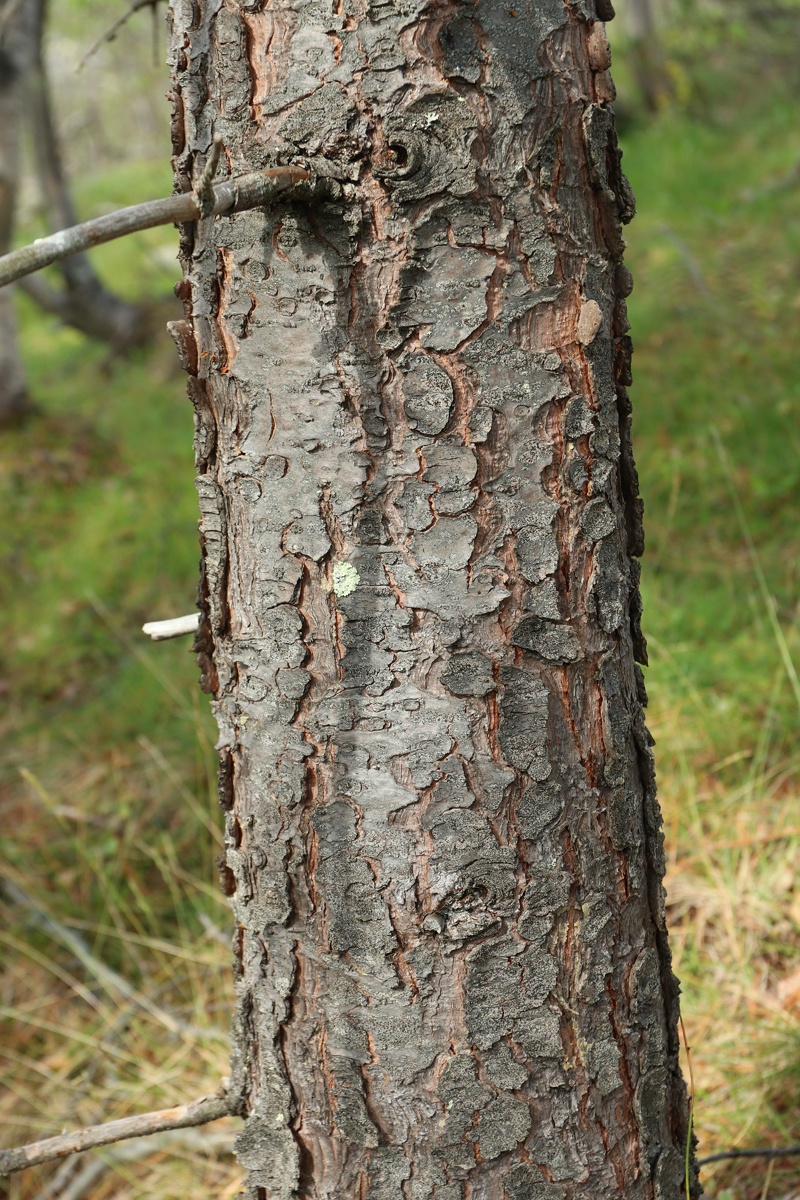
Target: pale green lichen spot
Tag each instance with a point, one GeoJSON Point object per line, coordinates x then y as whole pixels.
{"type": "Point", "coordinates": [345, 578]}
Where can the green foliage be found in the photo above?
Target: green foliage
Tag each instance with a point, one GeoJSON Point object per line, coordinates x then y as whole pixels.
{"type": "Point", "coordinates": [100, 503]}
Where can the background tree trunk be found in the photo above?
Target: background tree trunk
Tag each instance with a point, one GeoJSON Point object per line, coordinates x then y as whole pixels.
{"type": "Point", "coordinates": [649, 64]}
{"type": "Point", "coordinates": [420, 605]}
{"type": "Point", "coordinates": [85, 303]}
{"type": "Point", "coordinates": [18, 33]}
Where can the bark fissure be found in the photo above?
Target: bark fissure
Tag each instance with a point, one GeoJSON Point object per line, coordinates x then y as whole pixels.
{"type": "Point", "coordinates": [419, 510]}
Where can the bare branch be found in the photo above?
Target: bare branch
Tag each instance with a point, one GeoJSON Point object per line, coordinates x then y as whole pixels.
{"type": "Point", "coordinates": [114, 29]}
{"type": "Point", "coordinates": [779, 1152]}
{"type": "Point", "coordinates": [234, 195]}
{"type": "Point", "coordinates": [199, 1112]}
{"type": "Point", "coordinates": [126, 323]}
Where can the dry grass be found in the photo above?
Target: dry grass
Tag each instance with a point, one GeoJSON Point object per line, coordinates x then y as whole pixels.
{"type": "Point", "coordinates": [733, 833]}
{"type": "Point", "coordinates": [133, 1014]}
{"type": "Point", "coordinates": [110, 1007]}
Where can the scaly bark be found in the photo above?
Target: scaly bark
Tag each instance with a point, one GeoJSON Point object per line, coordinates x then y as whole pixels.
{"type": "Point", "coordinates": [420, 605]}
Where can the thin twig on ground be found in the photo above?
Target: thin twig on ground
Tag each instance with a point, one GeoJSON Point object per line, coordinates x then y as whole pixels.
{"type": "Point", "coordinates": [110, 980]}
{"type": "Point", "coordinates": [690, 262]}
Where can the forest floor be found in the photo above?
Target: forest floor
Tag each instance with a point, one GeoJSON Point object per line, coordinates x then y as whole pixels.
{"type": "Point", "coordinates": [115, 990]}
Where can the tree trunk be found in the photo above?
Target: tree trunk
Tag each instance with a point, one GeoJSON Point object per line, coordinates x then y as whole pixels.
{"type": "Point", "coordinates": [420, 606]}
{"type": "Point", "coordinates": [17, 51]}
{"type": "Point", "coordinates": [647, 57]}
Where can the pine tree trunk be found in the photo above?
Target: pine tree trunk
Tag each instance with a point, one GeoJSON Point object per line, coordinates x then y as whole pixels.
{"type": "Point", "coordinates": [420, 605]}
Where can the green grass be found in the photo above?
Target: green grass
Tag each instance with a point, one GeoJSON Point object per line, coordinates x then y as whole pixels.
{"type": "Point", "coordinates": [715, 253]}
{"type": "Point", "coordinates": [100, 503]}
{"type": "Point", "coordinates": [107, 774]}
{"type": "Point", "coordinates": [107, 779]}
{"type": "Point", "coordinates": [714, 310]}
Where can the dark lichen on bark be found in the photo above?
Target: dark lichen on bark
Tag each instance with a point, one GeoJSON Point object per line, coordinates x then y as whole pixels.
{"type": "Point", "coordinates": [420, 524]}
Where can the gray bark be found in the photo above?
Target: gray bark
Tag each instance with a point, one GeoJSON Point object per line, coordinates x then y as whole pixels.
{"type": "Point", "coordinates": [420, 611]}
{"type": "Point", "coordinates": [17, 52]}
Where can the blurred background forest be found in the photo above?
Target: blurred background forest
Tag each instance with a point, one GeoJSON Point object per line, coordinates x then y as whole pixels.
{"type": "Point", "coordinates": [115, 987]}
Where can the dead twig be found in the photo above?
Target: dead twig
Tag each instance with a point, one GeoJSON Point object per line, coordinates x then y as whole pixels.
{"type": "Point", "coordinates": [113, 30]}
{"type": "Point", "coordinates": [779, 1152]}
{"type": "Point", "coordinates": [198, 1112]}
{"type": "Point", "coordinates": [159, 631]}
